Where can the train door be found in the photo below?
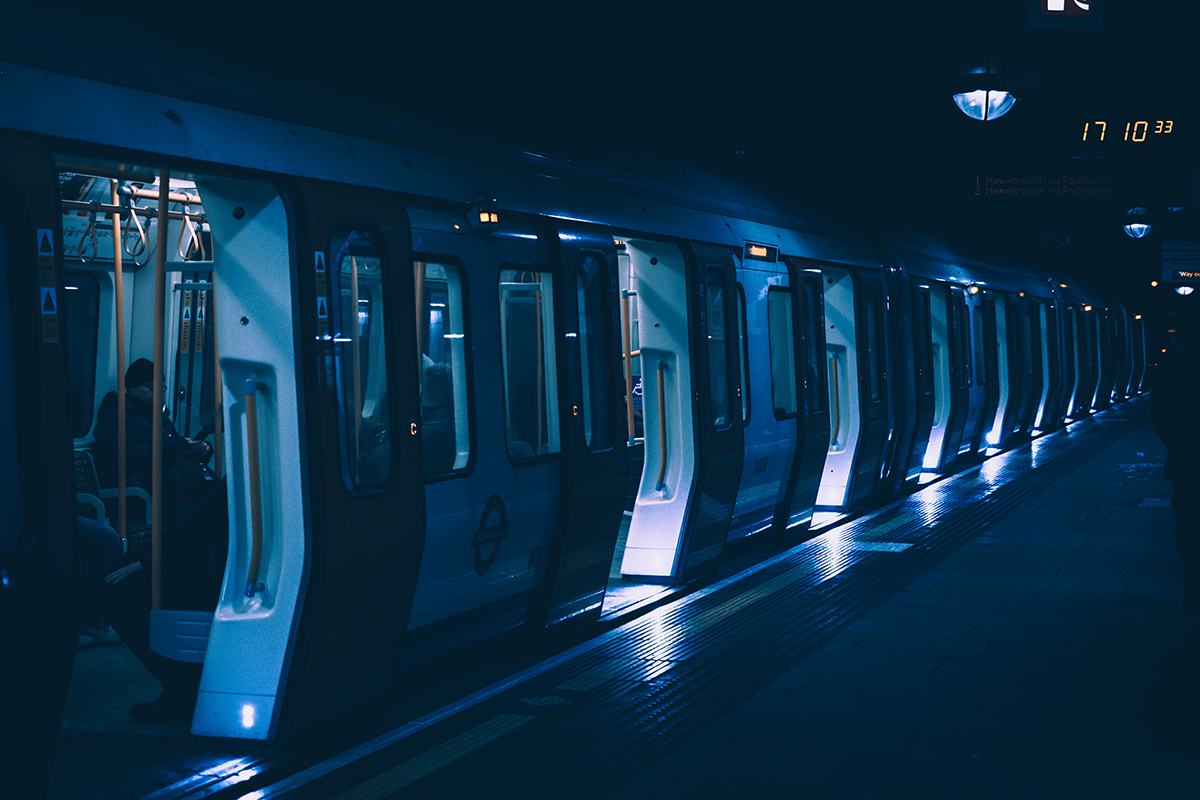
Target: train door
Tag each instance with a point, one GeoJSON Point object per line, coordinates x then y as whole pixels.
{"type": "Point", "coordinates": [873, 377]}
{"type": "Point", "coordinates": [958, 333]}
{"type": "Point", "coordinates": [490, 320]}
{"type": "Point", "coordinates": [976, 366]}
{"type": "Point", "coordinates": [692, 412]}
{"type": "Point", "coordinates": [1073, 356]}
{"type": "Point", "coordinates": [594, 461]}
{"type": "Point", "coordinates": [321, 406]}
{"type": "Point", "coordinates": [39, 558]}
{"type": "Point", "coordinates": [1023, 363]}
{"type": "Point", "coordinates": [1137, 343]}
{"type": "Point", "coordinates": [994, 345]}
{"type": "Point", "coordinates": [1050, 409]}
{"type": "Point", "coordinates": [812, 425]}
{"type": "Point", "coordinates": [1123, 350]}
{"type": "Point", "coordinates": [844, 380]}
{"type": "Point", "coordinates": [924, 380]}
{"type": "Point", "coordinates": [944, 370]}
{"type": "Point", "coordinates": [771, 396]}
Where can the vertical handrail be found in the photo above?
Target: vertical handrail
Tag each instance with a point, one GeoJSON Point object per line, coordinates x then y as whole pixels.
{"type": "Point", "coordinates": [119, 312]}
{"type": "Point", "coordinates": [355, 349]}
{"type": "Point", "coordinates": [662, 431]}
{"type": "Point", "coordinates": [628, 363]}
{"type": "Point", "coordinates": [218, 418]}
{"type": "Point", "coordinates": [156, 487]}
{"type": "Point", "coordinates": [836, 422]}
{"type": "Point", "coordinates": [256, 524]}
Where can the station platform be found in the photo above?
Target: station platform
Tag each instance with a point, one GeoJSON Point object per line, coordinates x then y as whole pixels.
{"type": "Point", "coordinates": [1014, 631]}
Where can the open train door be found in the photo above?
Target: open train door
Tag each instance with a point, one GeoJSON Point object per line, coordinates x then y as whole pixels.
{"type": "Point", "coordinates": [326, 497]}
{"type": "Point", "coordinates": [594, 460]}
{"type": "Point", "coordinates": [39, 559]}
{"type": "Point", "coordinates": [365, 476]}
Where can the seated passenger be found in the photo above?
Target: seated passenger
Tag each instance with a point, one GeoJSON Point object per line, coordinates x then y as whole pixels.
{"type": "Point", "coordinates": [186, 481]}
{"type": "Point", "coordinates": [193, 563]}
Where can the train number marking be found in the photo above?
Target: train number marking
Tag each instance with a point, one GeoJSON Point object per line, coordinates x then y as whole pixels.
{"type": "Point", "coordinates": [760, 465]}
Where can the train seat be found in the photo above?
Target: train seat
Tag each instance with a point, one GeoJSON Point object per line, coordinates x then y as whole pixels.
{"type": "Point", "coordinates": [100, 504]}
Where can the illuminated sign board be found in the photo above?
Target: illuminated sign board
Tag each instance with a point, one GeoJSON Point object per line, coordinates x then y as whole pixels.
{"type": "Point", "coordinates": [1135, 131]}
{"type": "Point", "coordinates": [760, 252]}
{"type": "Point", "coordinates": [1180, 261]}
{"type": "Point", "coordinates": [1066, 14]}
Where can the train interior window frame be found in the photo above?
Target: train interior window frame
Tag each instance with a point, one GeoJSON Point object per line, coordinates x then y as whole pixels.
{"type": "Point", "coordinates": [743, 354]}
{"type": "Point", "coordinates": [461, 373]}
{"type": "Point", "coordinates": [720, 391]}
{"type": "Point", "coordinates": [592, 288]}
{"type": "Point", "coordinates": [370, 394]}
{"type": "Point", "coordinates": [546, 401]}
{"type": "Point", "coordinates": [780, 340]}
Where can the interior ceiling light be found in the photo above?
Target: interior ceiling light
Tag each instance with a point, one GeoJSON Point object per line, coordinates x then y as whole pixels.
{"type": "Point", "coordinates": [1137, 226]}
{"type": "Point", "coordinates": [982, 93]}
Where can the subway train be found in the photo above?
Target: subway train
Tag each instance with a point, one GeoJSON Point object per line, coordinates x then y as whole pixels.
{"type": "Point", "coordinates": [457, 391]}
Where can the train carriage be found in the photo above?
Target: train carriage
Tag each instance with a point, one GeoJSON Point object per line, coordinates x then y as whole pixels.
{"type": "Point", "coordinates": [418, 361]}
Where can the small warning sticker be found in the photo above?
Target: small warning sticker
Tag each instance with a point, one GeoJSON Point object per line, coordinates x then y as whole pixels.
{"type": "Point", "coordinates": [322, 303]}
{"type": "Point", "coordinates": [200, 302]}
{"type": "Point", "coordinates": [322, 310]}
{"type": "Point", "coordinates": [45, 242]}
{"type": "Point", "coordinates": [319, 260]}
{"type": "Point", "coordinates": [49, 300]}
{"type": "Point", "coordinates": [49, 315]}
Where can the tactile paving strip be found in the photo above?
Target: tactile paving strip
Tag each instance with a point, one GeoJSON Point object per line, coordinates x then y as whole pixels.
{"type": "Point", "coordinates": [599, 719]}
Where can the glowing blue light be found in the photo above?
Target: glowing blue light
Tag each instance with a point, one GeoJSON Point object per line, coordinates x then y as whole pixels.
{"type": "Point", "coordinates": [247, 716]}
{"type": "Point", "coordinates": [984, 104]}
{"type": "Point", "coordinates": [1137, 229]}
{"type": "Point", "coordinates": [1184, 290]}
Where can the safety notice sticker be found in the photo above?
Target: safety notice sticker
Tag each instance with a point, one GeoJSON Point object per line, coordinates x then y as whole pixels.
{"type": "Point", "coordinates": [46, 280]}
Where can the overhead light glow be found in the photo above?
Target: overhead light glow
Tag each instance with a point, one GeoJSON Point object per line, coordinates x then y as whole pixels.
{"type": "Point", "coordinates": [1153, 283]}
{"type": "Point", "coordinates": [984, 104]}
{"type": "Point", "coordinates": [1184, 290]}
{"type": "Point", "coordinates": [1138, 229]}
{"type": "Point", "coordinates": [247, 716]}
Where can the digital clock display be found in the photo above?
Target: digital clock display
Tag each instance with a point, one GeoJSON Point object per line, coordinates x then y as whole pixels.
{"type": "Point", "coordinates": [1137, 131]}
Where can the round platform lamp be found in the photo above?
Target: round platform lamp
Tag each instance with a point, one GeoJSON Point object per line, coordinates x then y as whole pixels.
{"type": "Point", "coordinates": [1137, 222]}
{"type": "Point", "coordinates": [983, 93]}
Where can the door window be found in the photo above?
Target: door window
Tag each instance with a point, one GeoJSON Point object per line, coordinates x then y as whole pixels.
{"type": "Point", "coordinates": [441, 338]}
{"type": "Point", "coordinates": [718, 360]}
{"type": "Point", "coordinates": [80, 312]}
{"type": "Point", "coordinates": [592, 286]}
{"type": "Point", "coordinates": [783, 356]}
{"type": "Point", "coordinates": [359, 327]}
{"type": "Point", "coordinates": [528, 361]}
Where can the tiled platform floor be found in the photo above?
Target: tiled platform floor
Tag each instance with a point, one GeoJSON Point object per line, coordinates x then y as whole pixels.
{"type": "Point", "coordinates": [1047, 658]}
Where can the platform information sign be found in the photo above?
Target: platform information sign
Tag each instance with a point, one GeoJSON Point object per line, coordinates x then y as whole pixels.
{"type": "Point", "coordinates": [1180, 262]}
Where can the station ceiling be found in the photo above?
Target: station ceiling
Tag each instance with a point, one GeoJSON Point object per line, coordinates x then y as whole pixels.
{"type": "Point", "coordinates": [840, 104]}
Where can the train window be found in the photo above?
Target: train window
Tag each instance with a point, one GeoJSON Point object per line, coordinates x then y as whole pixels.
{"type": "Point", "coordinates": [783, 356]}
{"type": "Point", "coordinates": [718, 361]}
{"type": "Point", "coordinates": [528, 362]}
{"type": "Point", "coordinates": [362, 375]}
{"type": "Point", "coordinates": [441, 337]}
{"type": "Point", "coordinates": [81, 317]}
{"type": "Point", "coordinates": [873, 342]}
{"type": "Point", "coordinates": [743, 355]}
{"type": "Point", "coordinates": [593, 285]}
{"type": "Point", "coordinates": [814, 381]}
{"type": "Point", "coordinates": [924, 345]}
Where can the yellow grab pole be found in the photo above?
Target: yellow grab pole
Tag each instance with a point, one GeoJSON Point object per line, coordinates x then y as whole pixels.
{"type": "Point", "coordinates": [256, 525]}
{"type": "Point", "coordinates": [119, 311]}
{"type": "Point", "coordinates": [837, 399]}
{"type": "Point", "coordinates": [156, 487]}
{"type": "Point", "coordinates": [356, 344]}
{"type": "Point", "coordinates": [628, 364]}
{"type": "Point", "coordinates": [218, 420]}
{"type": "Point", "coordinates": [662, 431]}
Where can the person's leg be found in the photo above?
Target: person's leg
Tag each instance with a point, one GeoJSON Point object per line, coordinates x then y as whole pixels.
{"type": "Point", "coordinates": [126, 606]}
{"type": "Point", "coordinates": [99, 544]}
